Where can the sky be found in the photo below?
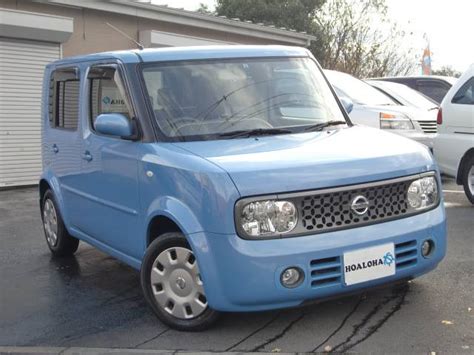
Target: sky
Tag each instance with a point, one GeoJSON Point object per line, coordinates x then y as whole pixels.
{"type": "Point", "coordinates": [448, 25]}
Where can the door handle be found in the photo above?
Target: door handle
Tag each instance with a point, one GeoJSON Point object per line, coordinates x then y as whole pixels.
{"type": "Point", "coordinates": [87, 156]}
{"type": "Point", "coordinates": [55, 149]}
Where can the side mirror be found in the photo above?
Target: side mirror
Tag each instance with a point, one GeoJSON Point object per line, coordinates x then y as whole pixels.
{"type": "Point", "coordinates": [115, 124]}
{"type": "Point", "coordinates": [347, 103]}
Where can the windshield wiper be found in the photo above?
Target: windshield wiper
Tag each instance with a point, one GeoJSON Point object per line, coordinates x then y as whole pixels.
{"type": "Point", "coordinates": [320, 126]}
{"type": "Point", "coordinates": [254, 132]}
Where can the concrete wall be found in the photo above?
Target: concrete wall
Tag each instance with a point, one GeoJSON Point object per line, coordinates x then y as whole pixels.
{"type": "Point", "coordinates": [91, 34]}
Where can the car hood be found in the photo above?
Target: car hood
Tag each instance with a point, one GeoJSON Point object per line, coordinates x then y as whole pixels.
{"type": "Point", "coordinates": [296, 162]}
{"type": "Point", "coordinates": [413, 113]}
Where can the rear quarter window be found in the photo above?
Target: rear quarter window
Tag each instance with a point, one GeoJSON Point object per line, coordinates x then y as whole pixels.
{"type": "Point", "coordinates": [63, 108]}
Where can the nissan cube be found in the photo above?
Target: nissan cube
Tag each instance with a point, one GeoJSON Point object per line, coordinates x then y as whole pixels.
{"type": "Point", "coordinates": [232, 178]}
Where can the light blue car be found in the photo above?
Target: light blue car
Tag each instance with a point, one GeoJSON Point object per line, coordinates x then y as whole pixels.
{"type": "Point", "coordinates": [232, 178]}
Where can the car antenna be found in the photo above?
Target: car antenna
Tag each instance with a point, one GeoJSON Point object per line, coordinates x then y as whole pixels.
{"type": "Point", "coordinates": [139, 45]}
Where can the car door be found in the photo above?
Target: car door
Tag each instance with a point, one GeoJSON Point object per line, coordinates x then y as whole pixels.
{"type": "Point", "coordinates": [110, 202]}
{"type": "Point", "coordinates": [62, 140]}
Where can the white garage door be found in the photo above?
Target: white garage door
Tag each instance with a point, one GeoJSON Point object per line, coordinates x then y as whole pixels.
{"type": "Point", "coordinates": [21, 75]}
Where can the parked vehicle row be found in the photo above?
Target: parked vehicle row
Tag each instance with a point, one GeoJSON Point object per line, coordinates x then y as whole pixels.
{"type": "Point", "coordinates": [454, 142]}
{"type": "Point", "coordinates": [376, 109]}
{"type": "Point", "coordinates": [233, 179]}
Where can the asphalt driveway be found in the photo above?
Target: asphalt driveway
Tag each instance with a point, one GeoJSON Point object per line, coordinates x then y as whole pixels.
{"type": "Point", "coordinates": [93, 300]}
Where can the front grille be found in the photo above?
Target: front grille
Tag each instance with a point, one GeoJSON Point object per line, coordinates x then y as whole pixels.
{"type": "Point", "coordinates": [428, 126]}
{"type": "Point", "coordinates": [321, 212]}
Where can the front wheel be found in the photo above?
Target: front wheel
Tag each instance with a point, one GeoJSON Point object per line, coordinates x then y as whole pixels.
{"type": "Point", "coordinates": [468, 178]}
{"type": "Point", "coordinates": [172, 284]}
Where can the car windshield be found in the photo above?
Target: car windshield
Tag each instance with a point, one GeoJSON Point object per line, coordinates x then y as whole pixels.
{"type": "Point", "coordinates": [213, 99]}
{"type": "Point", "coordinates": [358, 91]}
{"type": "Point", "coordinates": [407, 95]}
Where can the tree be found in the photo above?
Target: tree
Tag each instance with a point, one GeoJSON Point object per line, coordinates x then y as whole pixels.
{"type": "Point", "coordinates": [204, 9]}
{"type": "Point", "coordinates": [354, 36]}
{"type": "Point", "coordinates": [447, 70]}
{"type": "Point", "coordinates": [291, 14]}
{"type": "Point", "coordinates": [358, 38]}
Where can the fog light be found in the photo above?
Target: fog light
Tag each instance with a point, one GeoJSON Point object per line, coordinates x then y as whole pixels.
{"type": "Point", "coordinates": [291, 277]}
{"type": "Point", "coordinates": [427, 248]}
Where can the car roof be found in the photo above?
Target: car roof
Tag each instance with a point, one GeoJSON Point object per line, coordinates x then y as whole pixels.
{"type": "Point", "coordinates": [385, 83]}
{"type": "Point", "coordinates": [191, 53]}
{"type": "Point", "coordinates": [450, 79]}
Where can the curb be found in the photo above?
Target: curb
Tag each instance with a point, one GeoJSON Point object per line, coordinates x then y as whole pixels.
{"type": "Point", "coordinates": [16, 350]}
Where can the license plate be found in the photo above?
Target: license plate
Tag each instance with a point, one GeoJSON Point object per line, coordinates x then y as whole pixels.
{"type": "Point", "coordinates": [369, 264]}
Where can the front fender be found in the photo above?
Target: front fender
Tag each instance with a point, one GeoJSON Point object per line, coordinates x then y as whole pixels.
{"type": "Point", "coordinates": [176, 211]}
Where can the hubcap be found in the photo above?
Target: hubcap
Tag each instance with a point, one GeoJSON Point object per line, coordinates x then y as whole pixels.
{"type": "Point", "coordinates": [50, 222]}
{"type": "Point", "coordinates": [470, 179]}
{"type": "Point", "coordinates": [176, 283]}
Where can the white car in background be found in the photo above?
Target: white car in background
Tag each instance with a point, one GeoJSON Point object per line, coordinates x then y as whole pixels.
{"type": "Point", "coordinates": [454, 145]}
{"type": "Point", "coordinates": [375, 109]}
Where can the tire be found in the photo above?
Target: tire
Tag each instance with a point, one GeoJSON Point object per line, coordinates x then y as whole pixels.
{"type": "Point", "coordinates": [468, 178]}
{"type": "Point", "coordinates": [59, 241]}
{"type": "Point", "coordinates": [171, 284]}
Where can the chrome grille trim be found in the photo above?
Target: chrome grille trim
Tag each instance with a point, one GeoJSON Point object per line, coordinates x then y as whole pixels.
{"type": "Point", "coordinates": [428, 126]}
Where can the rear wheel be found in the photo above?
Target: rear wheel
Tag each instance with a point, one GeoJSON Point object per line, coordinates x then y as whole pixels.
{"type": "Point", "coordinates": [468, 178]}
{"type": "Point", "coordinates": [172, 284]}
{"type": "Point", "coordinates": [59, 241]}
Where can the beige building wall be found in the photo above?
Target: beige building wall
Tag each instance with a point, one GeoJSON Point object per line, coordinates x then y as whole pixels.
{"type": "Point", "coordinates": [91, 34]}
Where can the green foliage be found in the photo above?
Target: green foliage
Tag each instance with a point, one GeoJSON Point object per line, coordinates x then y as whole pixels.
{"type": "Point", "coordinates": [447, 70]}
{"type": "Point", "coordinates": [204, 9]}
{"type": "Point", "coordinates": [292, 14]}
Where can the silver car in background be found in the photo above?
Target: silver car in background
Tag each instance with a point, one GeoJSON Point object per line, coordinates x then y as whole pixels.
{"type": "Point", "coordinates": [375, 109]}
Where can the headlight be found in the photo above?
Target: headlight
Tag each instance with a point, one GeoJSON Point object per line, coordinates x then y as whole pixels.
{"type": "Point", "coordinates": [423, 193]}
{"type": "Point", "coordinates": [267, 218]}
{"type": "Point", "coordinates": [395, 121]}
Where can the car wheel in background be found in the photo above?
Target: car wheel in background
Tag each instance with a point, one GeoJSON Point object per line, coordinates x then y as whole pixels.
{"type": "Point", "coordinates": [468, 178]}
{"type": "Point", "coordinates": [59, 241]}
{"type": "Point", "coordinates": [172, 284]}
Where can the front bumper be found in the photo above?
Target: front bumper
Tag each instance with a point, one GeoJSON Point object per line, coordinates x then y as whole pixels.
{"type": "Point", "coordinates": [244, 275]}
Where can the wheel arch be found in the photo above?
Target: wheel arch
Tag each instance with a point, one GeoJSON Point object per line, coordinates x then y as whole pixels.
{"type": "Point", "coordinates": [159, 225]}
{"type": "Point", "coordinates": [168, 214]}
{"type": "Point", "coordinates": [42, 188]}
{"type": "Point", "coordinates": [460, 173]}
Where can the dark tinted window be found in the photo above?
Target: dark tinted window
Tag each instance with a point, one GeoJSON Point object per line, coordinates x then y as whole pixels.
{"type": "Point", "coordinates": [433, 89]}
{"type": "Point", "coordinates": [64, 99]}
{"type": "Point", "coordinates": [465, 95]}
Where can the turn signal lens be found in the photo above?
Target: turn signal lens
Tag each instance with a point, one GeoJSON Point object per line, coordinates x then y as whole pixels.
{"type": "Point", "coordinates": [387, 115]}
